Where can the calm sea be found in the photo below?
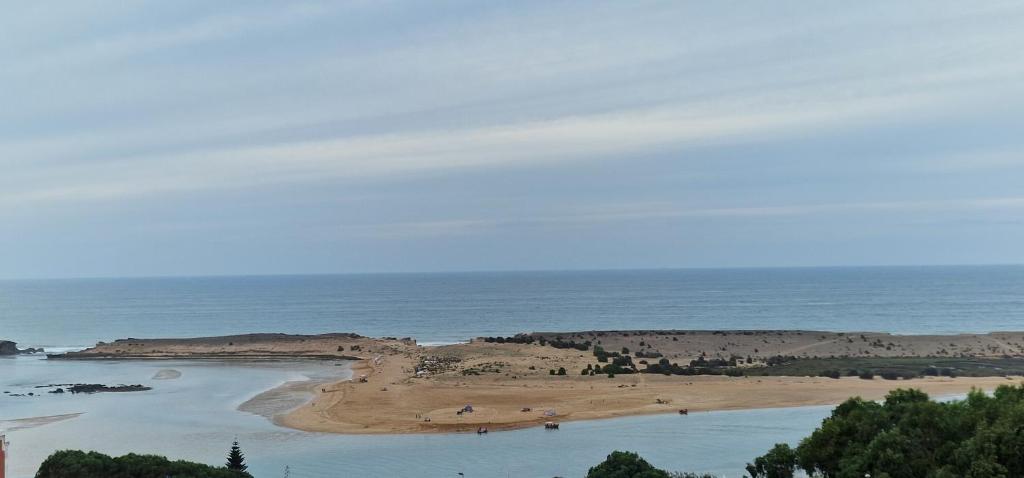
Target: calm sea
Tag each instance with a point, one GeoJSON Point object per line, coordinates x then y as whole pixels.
{"type": "Point", "coordinates": [458, 306]}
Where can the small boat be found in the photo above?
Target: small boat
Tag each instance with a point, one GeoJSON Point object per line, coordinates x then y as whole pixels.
{"type": "Point", "coordinates": [550, 426]}
{"type": "Point", "coordinates": [684, 411]}
{"type": "Point", "coordinates": [481, 430]}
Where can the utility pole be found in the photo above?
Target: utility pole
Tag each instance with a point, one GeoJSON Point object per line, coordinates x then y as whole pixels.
{"type": "Point", "coordinates": [3, 456]}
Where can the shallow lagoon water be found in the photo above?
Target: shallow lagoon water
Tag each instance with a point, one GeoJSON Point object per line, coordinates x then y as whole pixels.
{"type": "Point", "coordinates": [196, 417]}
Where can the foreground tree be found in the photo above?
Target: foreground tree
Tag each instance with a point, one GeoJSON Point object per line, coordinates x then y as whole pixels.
{"type": "Point", "coordinates": [910, 436]}
{"type": "Point", "coordinates": [624, 464]}
{"type": "Point", "coordinates": [780, 462]}
{"type": "Point", "coordinates": [80, 464]}
{"type": "Point", "coordinates": [236, 459]}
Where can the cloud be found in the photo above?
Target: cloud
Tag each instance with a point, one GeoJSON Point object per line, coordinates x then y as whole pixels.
{"type": "Point", "coordinates": [268, 118]}
{"type": "Point", "coordinates": [619, 213]}
{"type": "Point", "coordinates": [599, 136]}
{"type": "Point", "coordinates": [122, 46]}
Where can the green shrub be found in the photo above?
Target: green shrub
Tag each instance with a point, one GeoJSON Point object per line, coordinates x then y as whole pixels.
{"type": "Point", "coordinates": [830, 373]}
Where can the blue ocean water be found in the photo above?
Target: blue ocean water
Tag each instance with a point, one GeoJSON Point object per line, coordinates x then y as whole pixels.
{"type": "Point", "coordinates": [448, 307]}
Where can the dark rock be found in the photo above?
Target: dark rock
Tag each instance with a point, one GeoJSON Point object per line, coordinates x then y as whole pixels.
{"type": "Point", "coordinates": [99, 388]}
{"type": "Point", "coordinates": [8, 348]}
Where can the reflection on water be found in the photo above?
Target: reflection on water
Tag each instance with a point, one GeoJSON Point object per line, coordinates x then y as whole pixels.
{"type": "Point", "coordinates": [195, 416]}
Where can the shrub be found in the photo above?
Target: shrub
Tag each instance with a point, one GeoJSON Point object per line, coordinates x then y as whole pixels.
{"type": "Point", "coordinates": [867, 375]}
{"type": "Point", "coordinates": [558, 343]}
{"type": "Point", "coordinates": [561, 370]}
{"type": "Point", "coordinates": [890, 375]}
{"type": "Point", "coordinates": [830, 374]}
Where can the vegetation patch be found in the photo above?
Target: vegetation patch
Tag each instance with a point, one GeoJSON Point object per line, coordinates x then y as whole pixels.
{"type": "Point", "coordinates": [908, 436]}
{"type": "Point", "coordinates": [891, 368]}
{"type": "Point", "coordinates": [80, 464]}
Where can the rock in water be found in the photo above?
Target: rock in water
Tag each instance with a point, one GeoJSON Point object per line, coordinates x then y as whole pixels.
{"type": "Point", "coordinates": [8, 348]}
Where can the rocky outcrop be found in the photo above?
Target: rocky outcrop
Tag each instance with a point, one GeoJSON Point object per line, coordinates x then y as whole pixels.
{"type": "Point", "coordinates": [10, 348]}
{"type": "Point", "coordinates": [249, 346]}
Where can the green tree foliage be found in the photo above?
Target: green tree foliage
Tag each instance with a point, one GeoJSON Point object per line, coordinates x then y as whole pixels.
{"type": "Point", "coordinates": [624, 464]}
{"type": "Point", "coordinates": [236, 459]}
{"type": "Point", "coordinates": [910, 436]}
{"type": "Point", "coordinates": [79, 464]}
{"type": "Point", "coordinates": [780, 462]}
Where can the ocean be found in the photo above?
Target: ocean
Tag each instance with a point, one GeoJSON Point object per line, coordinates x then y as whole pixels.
{"type": "Point", "coordinates": [451, 307]}
{"type": "Point", "coordinates": [196, 415]}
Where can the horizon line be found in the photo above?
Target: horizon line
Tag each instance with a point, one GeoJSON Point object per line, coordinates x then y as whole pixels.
{"type": "Point", "coordinates": [499, 271]}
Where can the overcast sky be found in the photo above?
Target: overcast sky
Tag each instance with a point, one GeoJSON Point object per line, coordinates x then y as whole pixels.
{"type": "Point", "coordinates": [199, 137]}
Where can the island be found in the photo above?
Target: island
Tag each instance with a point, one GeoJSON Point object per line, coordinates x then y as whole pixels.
{"type": "Point", "coordinates": [532, 379]}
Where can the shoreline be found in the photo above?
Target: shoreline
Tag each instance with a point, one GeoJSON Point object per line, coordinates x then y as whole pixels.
{"type": "Point", "coordinates": [263, 403]}
{"type": "Point", "coordinates": [397, 386]}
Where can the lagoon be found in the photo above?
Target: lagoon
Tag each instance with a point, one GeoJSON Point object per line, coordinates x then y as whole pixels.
{"type": "Point", "coordinates": [195, 417]}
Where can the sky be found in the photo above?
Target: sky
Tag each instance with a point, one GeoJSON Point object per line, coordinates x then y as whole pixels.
{"type": "Point", "coordinates": [201, 138]}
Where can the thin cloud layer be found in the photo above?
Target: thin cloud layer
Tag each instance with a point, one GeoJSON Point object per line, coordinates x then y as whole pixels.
{"type": "Point", "coordinates": [321, 129]}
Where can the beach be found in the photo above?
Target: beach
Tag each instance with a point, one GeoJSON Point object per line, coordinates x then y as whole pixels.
{"type": "Point", "coordinates": [399, 387]}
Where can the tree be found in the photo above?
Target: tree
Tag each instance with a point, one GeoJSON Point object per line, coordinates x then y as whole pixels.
{"type": "Point", "coordinates": [910, 436]}
{"type": "Point", "coordinates": [80, 464]}
{"type": "Point", "coordinates": [236, 459]}
{"type": "Point", "coordinates": [780, 462]}
{"type": "Point", "coordinates": [624, 464]}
